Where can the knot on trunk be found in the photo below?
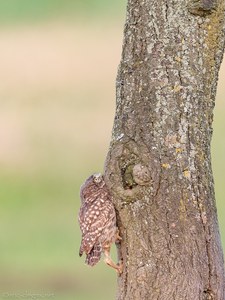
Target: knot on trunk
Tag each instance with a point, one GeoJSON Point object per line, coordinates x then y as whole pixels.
{"type": "Point", "coordinates": [141, 174]}
{"type": "Point", "coordinates": [202, 7]}
{"type": "Point", "coordinates": [127, 174]}
{"type": "Point", "coordinates": [137, 174]}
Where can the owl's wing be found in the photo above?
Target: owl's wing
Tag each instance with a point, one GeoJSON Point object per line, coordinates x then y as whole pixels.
{"type": "Point", "coordinates": [92, 222]}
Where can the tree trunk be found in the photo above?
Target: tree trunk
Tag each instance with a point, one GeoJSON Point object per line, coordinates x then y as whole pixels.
{"type": "Point", "coordinates": [159, 164]}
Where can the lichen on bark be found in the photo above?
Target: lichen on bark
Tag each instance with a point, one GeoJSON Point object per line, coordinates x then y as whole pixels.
{"type": "Point", "coordinates": [166, 88]}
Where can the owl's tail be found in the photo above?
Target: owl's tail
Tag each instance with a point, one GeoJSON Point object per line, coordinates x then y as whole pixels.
{"type": "Point", "coordinates": [94, 255]}
{"type": "Point", "coordinates": [81, 250]}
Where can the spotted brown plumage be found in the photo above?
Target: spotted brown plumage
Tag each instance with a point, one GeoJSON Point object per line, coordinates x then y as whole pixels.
{"type": "Point", "coordinates": [97, 219]}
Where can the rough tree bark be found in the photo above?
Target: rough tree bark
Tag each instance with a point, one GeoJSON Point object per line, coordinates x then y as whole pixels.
{"type": "Point", "coordinates": [159, 165]}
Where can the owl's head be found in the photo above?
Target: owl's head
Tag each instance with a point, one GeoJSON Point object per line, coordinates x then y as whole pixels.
{"type": "Point", "coordinates": [92, 186]}
{"type": "Point", "coordinates": [97, 178]}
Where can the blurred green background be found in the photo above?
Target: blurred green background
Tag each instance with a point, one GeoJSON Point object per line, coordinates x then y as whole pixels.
{"type": "Point", "coordinates": [58, 66]}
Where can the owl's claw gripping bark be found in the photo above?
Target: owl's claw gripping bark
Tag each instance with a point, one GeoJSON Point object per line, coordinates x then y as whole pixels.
{"type": "Point", "coordinates": [118, 267]}
{"type": "Point", "coordinates": [118, 237]}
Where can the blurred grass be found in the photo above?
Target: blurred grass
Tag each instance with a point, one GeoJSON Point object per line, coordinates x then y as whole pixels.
{"type": "Point", "coordinates": [13, 11]}
{"type": "Point", "coordinates": [56, 111]}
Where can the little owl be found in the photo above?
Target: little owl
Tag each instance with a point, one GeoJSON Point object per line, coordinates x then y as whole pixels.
{"type": "Point", "coordinates": [97, 219]}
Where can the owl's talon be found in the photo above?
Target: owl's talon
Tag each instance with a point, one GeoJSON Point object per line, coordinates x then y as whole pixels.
{"type": "Point", "coordinates": [120, 268]}
{"type": "Point", "coordinates": [118, 237]}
